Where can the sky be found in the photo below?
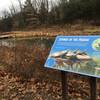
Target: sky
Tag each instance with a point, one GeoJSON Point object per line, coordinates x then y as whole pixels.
{"type": "Point", "coordinates": [5, 4]}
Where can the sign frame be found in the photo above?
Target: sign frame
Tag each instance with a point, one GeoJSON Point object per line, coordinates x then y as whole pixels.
{"type": "Point", "coordinates": [65, 38]}
{"type": "Point", "coordinates": [64, 75]}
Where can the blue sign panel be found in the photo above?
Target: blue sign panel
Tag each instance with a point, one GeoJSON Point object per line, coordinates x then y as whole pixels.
{"type": "Point", "coordinates": [77, 54]}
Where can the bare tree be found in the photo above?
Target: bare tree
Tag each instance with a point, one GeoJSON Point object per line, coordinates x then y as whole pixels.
{"type": "Point", "coordinates": [5, 14]}
{"type": "Point", "coordinates": [20, 5]}
{"type": "Point", "coordinates": [12, 9]}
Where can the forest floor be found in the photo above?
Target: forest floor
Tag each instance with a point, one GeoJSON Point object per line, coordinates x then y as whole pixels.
{"type": "Point", "coordinates": [52, 31]}
{"type": "Point", "coordinates": [44, 88]}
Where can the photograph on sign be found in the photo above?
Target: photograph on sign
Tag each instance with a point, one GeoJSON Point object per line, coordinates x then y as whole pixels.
{"type": "Point", "coordinates": [77, 54]}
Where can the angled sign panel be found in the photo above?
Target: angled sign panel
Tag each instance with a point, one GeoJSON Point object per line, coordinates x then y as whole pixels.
{"type": "Point", "coordinates": [77, 54]}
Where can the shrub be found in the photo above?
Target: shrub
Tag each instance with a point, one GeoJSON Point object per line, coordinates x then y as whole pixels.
{"type": "Point", "coordinates": [26, 60]}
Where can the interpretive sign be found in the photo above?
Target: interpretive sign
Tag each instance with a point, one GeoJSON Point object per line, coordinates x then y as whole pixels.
{"type": "Point", "coordinates": [77, 54]}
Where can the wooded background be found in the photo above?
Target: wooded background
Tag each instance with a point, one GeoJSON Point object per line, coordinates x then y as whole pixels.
{"type": "Point", "coordinates": [34, 13]}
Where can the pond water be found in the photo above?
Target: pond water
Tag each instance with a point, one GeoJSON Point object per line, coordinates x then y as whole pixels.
{"type": "Point", "coordinates": [43, 42]}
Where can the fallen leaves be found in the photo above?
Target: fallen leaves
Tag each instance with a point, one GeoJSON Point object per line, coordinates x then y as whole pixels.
{"type": "Point", "coordinates": [44, 89]}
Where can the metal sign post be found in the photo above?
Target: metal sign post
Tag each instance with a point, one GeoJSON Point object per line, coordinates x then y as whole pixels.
{"type": "Point", "coordinates": [92, 81]}
{"type": "Point", "coordinates": [64, 85]}
{"type": "Point", "coordinates": [93, 88]}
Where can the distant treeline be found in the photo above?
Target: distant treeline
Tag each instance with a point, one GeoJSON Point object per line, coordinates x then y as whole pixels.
{"type": "Point", "coordinates": [49, 12]}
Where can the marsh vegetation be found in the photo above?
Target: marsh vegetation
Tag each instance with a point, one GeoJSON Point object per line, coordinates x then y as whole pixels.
{"type": "Point", "coordinates": [23, 75]}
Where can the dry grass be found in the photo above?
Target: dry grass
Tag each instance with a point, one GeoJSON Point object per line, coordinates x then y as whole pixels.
{"type": "Point", "coordinates": [68, 29]}
{"type": "Point", "coordinates": [22, 60]}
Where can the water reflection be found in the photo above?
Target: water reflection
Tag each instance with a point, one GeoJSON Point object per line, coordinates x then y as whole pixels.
{"type": "Point", "coordinates": [43, 42]}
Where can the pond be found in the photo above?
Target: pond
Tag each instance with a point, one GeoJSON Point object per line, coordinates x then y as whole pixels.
{"type": "Point", "coordinates": [30, 41]}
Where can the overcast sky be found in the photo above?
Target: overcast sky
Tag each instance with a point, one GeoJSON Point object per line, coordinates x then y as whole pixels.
{"type": "Point", "coordinates": [5, 4]}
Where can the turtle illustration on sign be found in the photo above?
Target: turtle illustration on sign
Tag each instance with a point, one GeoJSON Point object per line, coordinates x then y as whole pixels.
{"type": "Point", "coordinates": [70, 58]}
